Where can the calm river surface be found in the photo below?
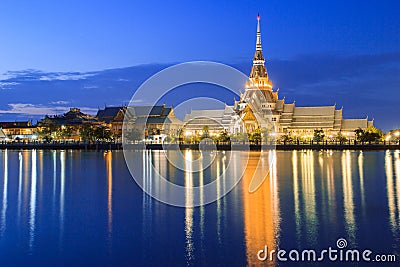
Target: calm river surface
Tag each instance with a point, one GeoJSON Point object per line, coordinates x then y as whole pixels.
{"type": "Point", "coordinates": [78, 208]}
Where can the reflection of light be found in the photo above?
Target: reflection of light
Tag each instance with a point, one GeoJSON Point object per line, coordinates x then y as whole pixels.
{"type": "Point", "coordinates": [296, 193]}
{"type": "Point", "coordinates": [397, 175]}
{"type": "Point", "coordinates": [156, 169]}
{"type": "Point", "coordinates": [223, 177]}
{"type": "Point", "coordinates": [62, 190]}
{"type": "Point", "coordinates": [361, 173]}
{"type": "Point", "coordinates": [109, 192]}
{"type": "Point", "coordinates": [188, 210]}
{"type": "Point", "coordinates": [274, 183]}
{"type": "Point", "coordinates": [32, 206]}
{"type": "Point", "coordinates": [261, 209]}
{"type": "Point", "coordinates": [201, 184]}
{"type": "Point", "coordinates": [308, 186]}
{"type": "Point", "coordinates": [331, 184]}
{"type": "Point", "coordinates": [5, 185]}
{"type": "Point", "coordinates": [147, 199]}
{"type": "Point", "coordinates": [392, 184]}
{"type": "Point", "coordinates": [218, 202]}
{"type": "Point", "coordinates": [348, 194]}
{"type": "Point", "coordinates": [40, 174]}
{"type": "Point", "coordinates": [21, 160]}
{"type": "Point", "coordinates": [54, 176]}
{"type": "Point", "coordinates": [390, 190]}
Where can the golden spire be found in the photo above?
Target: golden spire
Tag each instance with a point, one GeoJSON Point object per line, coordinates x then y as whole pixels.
{"type": "Point", "coordinates": [259, 73]}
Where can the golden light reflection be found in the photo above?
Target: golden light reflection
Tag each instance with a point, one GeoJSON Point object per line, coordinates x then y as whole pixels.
{"type": "Point", "coordinates": [224, 178]}
{"type": "Point", "coordinates": [330, 175]}
{"type": "Point", "coordinates": [397, 175]}
{"type": "Point", "coordinates": [296, 194]}
{"type": "Point", "coordinates": [202, 211]}
{"type": "Point", "coordinates": [390, 189]}
{"type": "Point", "coordinates": [361, 174]}
{"type": "Point", "coordinates": [261, 211]}
{"type": "Point", "coordinates": [108, 157]}
{"type": "Point", "coordinates": [308, 193]}
{"type": "Point", "coordinates": [348, 195]}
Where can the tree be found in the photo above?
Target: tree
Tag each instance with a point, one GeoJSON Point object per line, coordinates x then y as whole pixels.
{"type": "Point", "coordinates": [66, 132]}
{"type": "Point", "coordinates": [87, 132]}
{"type": "Point", "coordinates": [224, 136]}
{"type": "Point", "coordinates": [319, 135]}
{"type": "Point", "coordinates": [359, 134]}
{"type": "Point", "coordinates": [286, 138]}
{"type": "Point", "coordinates": [239, 137]}
{"type": "Point", "coordinates": [340, 138]}
{"type": "Point", "coordinates": [206, 132]}
{"type": "Point", "coordinates": [370, 134]}
{"type": "Point", "coordinates": [49, 130]}
{"type": "Point", "coordinates": [102, 133]}
{"type": "Point", "coordinates": [255, 136]}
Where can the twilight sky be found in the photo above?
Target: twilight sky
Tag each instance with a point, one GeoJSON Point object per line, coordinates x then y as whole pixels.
{"type": "Point", "coordinates": [56, 54]}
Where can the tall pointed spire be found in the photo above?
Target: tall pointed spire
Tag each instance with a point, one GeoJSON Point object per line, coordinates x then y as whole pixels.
{"type": "Point", "coordinates": [258, 70]}
{"type": "Point", "coordinates": [258, 43]}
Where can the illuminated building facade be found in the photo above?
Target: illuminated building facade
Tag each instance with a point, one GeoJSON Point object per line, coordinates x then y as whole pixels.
{"type": "Point", "coordinates": [260, 107]}
{"type": "Point", "coordinates": [19, 130]}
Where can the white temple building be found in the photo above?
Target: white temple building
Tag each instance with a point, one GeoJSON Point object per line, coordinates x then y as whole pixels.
{"type": "Point", "coordinates": [260, 107]}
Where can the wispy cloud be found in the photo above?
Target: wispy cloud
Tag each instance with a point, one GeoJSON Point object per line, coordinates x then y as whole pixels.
{"type": "Point", "coordinates": [66, 76]}
{"type": "Point", "coordinates": [7, 85]}
{"type": "Point", "coordinates": [90, 87]}
{"type": "Point", "coordinates": [37, 75]}
{"type": "Point", "coordinates": [32, 109]}
{"type": "Point", "coordinates": [59, 102]}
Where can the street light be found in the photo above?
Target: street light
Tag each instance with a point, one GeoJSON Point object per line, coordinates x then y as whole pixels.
{"type": "Point", "coordinates": [397, 133]}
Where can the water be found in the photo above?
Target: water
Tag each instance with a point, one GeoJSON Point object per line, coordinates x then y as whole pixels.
{"type": "Point", "coordinates": [77, 208]}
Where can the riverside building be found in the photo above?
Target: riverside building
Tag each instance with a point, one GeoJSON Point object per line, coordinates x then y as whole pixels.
{"type": "Point", "coordinates": [260, 107]}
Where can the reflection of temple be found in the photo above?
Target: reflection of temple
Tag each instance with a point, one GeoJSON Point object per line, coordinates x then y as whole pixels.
{"type": "Point", "coordinates": [260, 107]}
{"type": "Point", "coordinates": [261, 212]}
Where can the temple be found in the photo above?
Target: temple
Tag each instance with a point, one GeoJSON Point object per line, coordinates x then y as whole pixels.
{"type": "Point", "coordinates": [259, 106]}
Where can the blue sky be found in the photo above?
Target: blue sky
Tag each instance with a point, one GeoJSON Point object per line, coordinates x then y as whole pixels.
{"type": "Point", "coordinates": [318, 52]}
{"type": "Point", "coordinates": [91, 35]}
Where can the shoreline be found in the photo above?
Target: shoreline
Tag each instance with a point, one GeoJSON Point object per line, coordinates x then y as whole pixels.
{"type": "Point", "coordinates": [221, 147]}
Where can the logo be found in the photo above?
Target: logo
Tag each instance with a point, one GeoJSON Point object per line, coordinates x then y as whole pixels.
{"type": "Point", "coordinates": [338, 254]}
